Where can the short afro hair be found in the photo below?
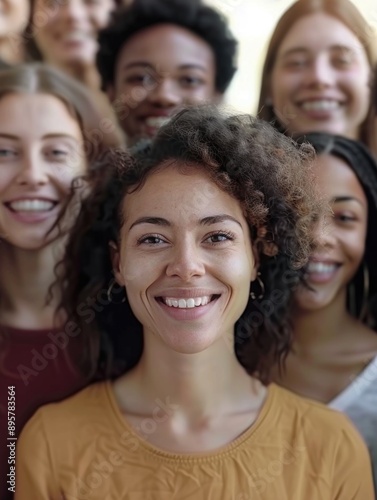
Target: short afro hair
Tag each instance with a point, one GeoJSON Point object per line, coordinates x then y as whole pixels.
{"type": "Point", "coordinates": [193, 15]}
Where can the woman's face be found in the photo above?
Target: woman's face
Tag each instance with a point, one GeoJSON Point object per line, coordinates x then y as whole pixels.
{"type": "Point", "coordinates": [14, 17]}
{"type": "Point", "coordinates": [66, 32]}
{"type": "Point", "coordinates": [41, 152]}
{"type": "Point", "coordinates": [320, 80]}
{"type": "Point", "coordinates": [185, 258]}
{"type": "Point", "coordinates": [340, 237]}
{"type": "Point", "coordinates": [159, 70]}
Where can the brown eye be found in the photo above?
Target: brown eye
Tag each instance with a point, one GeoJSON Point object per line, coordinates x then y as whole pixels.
{"type": "Point", "coordinates": [220, 237]}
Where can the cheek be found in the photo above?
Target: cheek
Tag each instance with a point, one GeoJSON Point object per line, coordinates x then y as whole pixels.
{"type": "Point", "coordinates": [355, 245]}
{"type": "Point", "coordinates": [138, 271]}
{"type": "Point", "coordinates": [282, 85]}
{"type": "Point", "coordinates": [6, 178]}
{"type": "Point", "coordinates": [100, 16]}
{"type": "Point", "coordinates": [236, 272]}
{"type": "Point", "coordinates": [43, 37]}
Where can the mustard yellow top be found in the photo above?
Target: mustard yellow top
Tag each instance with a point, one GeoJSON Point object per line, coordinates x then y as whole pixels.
{"type": "Point", "coordinates": [84, 449]}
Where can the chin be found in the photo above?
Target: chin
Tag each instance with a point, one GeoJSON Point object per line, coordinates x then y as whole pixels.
{"type": "Point", "coordinates": [312, 303]}
{"type": "Point", "coordinates": [189, 343]}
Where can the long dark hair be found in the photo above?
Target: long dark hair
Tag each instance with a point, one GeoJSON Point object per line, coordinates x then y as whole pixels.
{"type": "Point", "coordinates": [270, 176]}
{"type": "Point", "coordinates": [363, 286]}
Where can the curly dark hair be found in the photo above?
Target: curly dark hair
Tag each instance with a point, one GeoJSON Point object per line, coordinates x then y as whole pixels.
{"type": "Point", "coordinates": [267, 172]}
{"type": "Point", "coordinates": [195, 16]}
{"type": "Point", "coordinates": [364, 166]}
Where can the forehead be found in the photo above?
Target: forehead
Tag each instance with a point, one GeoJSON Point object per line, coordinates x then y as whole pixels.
{"type": "Point", "coordinates": [47, 114]}
{"type": "Point", "coordinates": [319, 31]}
{"type": "Point", "coordinates": [180, 192]}
{"type": "Point", "coordinates": [336, 178]}
{"type": "Point", "coordinates": [166, 45]}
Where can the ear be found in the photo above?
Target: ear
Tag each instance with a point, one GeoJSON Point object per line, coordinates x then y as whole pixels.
{"type": "Point", "coordinates": [268, 101]}
{"type": "Point", "coordinates": [218, 98]}
{"type": "Point", "coordinates": [115, 260]}
{"type": "Point", "coordinates": [110, 92]}
{"type": "Point", "coordinates": [255, 267]}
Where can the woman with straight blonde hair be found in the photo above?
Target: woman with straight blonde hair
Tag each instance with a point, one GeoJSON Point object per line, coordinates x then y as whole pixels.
{"type": "Point", "coordinates": [51, 129]}
{"type": "Point", "coordinates": [318, 70]}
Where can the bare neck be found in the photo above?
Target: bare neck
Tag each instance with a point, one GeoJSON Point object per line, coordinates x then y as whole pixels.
{"type": "Point", "coordinates": [26, 278]}
{"type": "Point", "coordinates": [200, 386]}
{"type": "Point", "coordinates": [331, 326]}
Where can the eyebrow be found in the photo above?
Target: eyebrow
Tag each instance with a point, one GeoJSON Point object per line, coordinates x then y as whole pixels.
{"type": "Point", "coordinates": [147, 65]}
{"type": "Point", "coordinates": [46, 136]}
{"type": "Point", "coordinates": [295, 50]}
{"type": "Point", "coordinates": [206, 221]}
{"type": "Point", "coordinates": [340, 199]}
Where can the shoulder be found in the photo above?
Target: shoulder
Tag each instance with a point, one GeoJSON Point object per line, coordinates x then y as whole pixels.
{"type": "Point", "coordinates": [70, 415]}
{"type": "Point", "coordinates": [314, 422]}
{"type": "Point", "coordinates": [324, 441]}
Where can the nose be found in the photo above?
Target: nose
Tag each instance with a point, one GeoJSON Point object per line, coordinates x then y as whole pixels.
{"type": "Point", "coordinates": [73, 11]}
{"type": "Point", "coordinates": [165, 94]}
{"type": "Point", "coordinates": [186, 262]}
{"type": "Point", "coordinates": [321, 72]}
{"type": "Point", "coordinates": [32, 172]}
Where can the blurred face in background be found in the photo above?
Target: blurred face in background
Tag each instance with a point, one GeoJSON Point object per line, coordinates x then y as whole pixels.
{"type": "Point", "coordinates": [159, 70]}
{"type": "Point", "coordinates": [37, 166]}
{"type": "Point", "coordinates": [321, 78]}
{"type": "Point", "coordinates": [14, 16]}
{"type": "Point", "coordinates": [340, 237]}
{"type": "Point", "coordinates": [65, 32]}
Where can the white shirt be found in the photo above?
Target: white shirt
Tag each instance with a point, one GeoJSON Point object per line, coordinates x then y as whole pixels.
{"type": "Point", "coordinates": [359, 402]}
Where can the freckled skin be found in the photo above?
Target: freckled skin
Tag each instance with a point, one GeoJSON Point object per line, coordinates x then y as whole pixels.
{"type": "Point", "coordinates": [154, 259]}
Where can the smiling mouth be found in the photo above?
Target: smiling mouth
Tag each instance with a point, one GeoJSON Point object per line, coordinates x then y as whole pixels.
{"type": "Point", "coordinates": [321, 105]}
{"type": "Point", "coordinates": [189, 303]}
{"type": "Point", "coordinates": [76, 36]}
{"type": "Point", "coordinates": [31, 206]}
{"type": "Point", "coordinates": [321, 268]}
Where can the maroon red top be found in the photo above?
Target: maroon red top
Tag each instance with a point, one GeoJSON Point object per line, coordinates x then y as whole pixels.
{"type": "Point", "coordinates": [38, 365]}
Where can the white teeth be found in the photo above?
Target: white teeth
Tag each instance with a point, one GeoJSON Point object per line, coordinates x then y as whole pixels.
{"type": "Point", "coordinates": [320, 105]}
{"type": "Point", "coordinates": [320, 268]}
{"type": "Point", "coordinates": [31, 205]}
{"type": "Point", "coordinates": [157, 121]}
{"type": "Point", "coordinates": [75, 36]}
{"type": "Point", "coordinates": [187, 303]}
{"type": "Point", "coordinates": [190, 303]}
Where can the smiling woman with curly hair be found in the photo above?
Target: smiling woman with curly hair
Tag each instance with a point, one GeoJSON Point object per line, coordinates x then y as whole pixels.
{"type": "Point", "coordinates": [205, 230]}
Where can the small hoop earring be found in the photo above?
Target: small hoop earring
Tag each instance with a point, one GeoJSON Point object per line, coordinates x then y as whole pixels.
{"type": "Point", "coordinates": [260, 296]}
{"type": "Point", "coordinates": [109, 292]}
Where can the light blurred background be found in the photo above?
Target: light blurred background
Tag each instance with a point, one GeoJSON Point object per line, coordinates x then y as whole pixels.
{"type": "Point", "coordinates": [252, 21]}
